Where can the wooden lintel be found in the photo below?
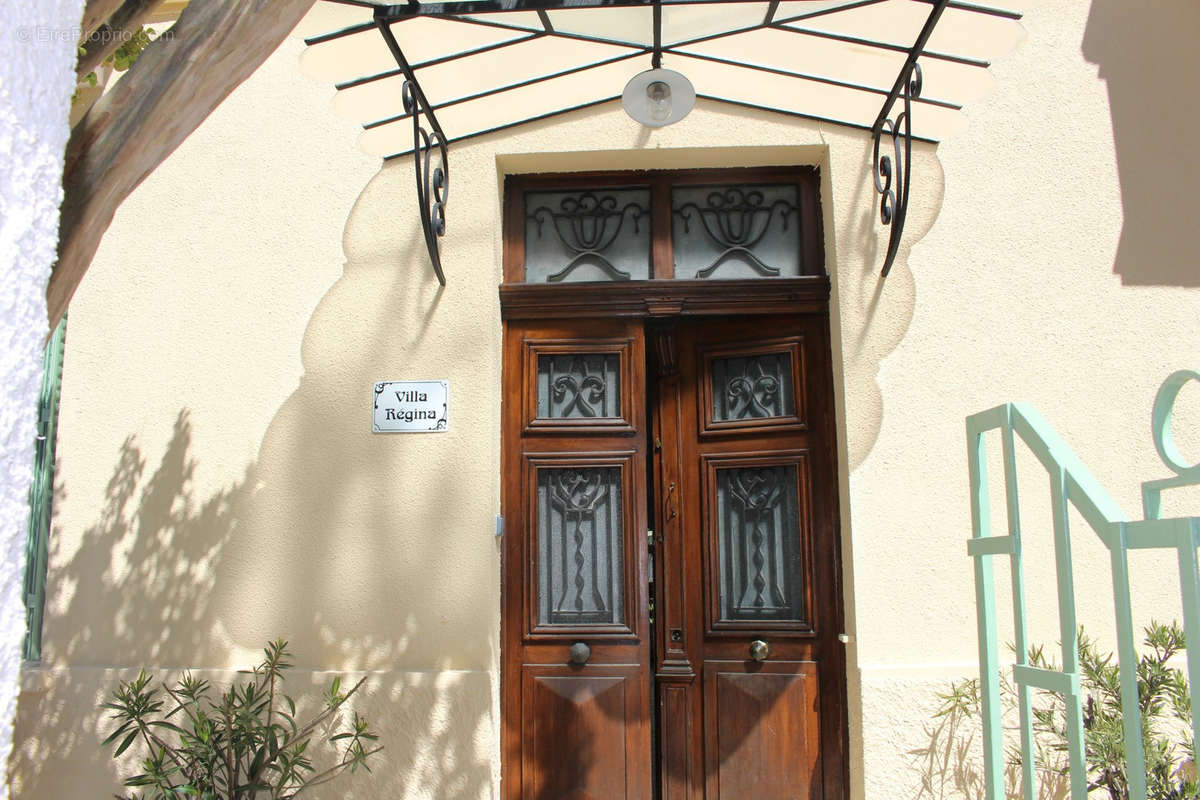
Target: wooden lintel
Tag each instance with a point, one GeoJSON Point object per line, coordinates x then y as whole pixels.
{"type": "Point", "coordinates": [655, 298]}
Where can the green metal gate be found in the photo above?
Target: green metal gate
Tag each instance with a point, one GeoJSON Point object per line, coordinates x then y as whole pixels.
{"type": "Point", "coordinates": [1072, 485]}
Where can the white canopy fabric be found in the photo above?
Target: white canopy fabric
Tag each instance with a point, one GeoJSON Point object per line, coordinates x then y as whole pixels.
{"type": "Point", "coordinates": [483, 69]}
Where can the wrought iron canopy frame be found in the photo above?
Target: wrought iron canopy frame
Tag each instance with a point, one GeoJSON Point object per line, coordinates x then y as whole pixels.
{"type": "Point", "coordinates": [892, 172]}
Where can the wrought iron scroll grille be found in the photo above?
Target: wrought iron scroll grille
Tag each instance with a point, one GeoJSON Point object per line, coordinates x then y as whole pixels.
{"type": "Point", "coordinates": [736, 220]}
{"type": "Point", "coordinates": [758, 530]}
{"type": "Point", "coordinates": [579, 385]}
{"type": "Point", "coordinates": [753, 387]}
{"type": "Point", "coordinates": [580, 533]}
{"type": "Point", "coordinates": [588, 225]}
{"type": "Point", "coordinates": [892, 175]}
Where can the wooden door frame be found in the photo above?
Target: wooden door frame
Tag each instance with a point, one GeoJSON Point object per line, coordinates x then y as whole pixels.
{"type": "Point", "coordinates": [663, 297]}
{"type": "Point", "coordinates": [808, 296]}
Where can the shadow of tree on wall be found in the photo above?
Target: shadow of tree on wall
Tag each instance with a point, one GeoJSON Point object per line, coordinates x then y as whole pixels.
{"type": "Point", "coordinates": [136, 583]}
{"type": "Point", "coordinates": [365, 549]}
{"type": "Point", "coordinates": [141, 577]}
{"type": "Point", "coordinates": [950, 766]}
{"type": "Point", "coordinates": [139, 587]}
{"type": "Point", "coordinates": [1149, 61]}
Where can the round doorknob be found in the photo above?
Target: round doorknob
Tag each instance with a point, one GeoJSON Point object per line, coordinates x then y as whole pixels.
{"type": "Point", "coordinates": [759, 650]}
{"type": "Point", "coordinates": [580, 653]}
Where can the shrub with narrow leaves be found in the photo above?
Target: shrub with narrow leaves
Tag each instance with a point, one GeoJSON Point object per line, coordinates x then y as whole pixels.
{"type": "Point", "coordinates": [1163, 699]}
{"type": "Point", "coordinates": [244, 744]}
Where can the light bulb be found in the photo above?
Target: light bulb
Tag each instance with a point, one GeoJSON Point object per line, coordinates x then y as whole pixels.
{"type": "Point", "coordinates": [658, 101]}
{"type": "Point", "coordinates": [658, 97]}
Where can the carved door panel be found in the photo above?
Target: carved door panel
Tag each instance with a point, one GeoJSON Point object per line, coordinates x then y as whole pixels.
{"type": "Point", "coordinates": [577, 694]}
{"type": "Point", "coordinates": [749, 668]}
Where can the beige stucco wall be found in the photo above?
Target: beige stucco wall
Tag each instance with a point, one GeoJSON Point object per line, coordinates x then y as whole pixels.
{"type": "Point", "coordinates": [219, 484]}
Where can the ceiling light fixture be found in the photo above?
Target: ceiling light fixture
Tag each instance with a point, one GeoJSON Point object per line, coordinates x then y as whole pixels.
{"type": "Point", "coordinates": [658, 97]}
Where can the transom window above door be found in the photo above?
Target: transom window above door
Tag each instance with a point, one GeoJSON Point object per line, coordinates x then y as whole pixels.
{"type": "Point", "coordinates": [705, 225]}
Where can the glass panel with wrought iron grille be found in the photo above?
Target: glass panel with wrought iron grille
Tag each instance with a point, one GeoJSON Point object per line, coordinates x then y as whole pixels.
{"type": "Point", "coordinates": [579, 386]}
{"type": "Point", "coordinates": [758, 532]}
{"type": "Point", "coordinates": [752, 387]}
{"type": "Point", "coordinates": [588, 235]}
{"type": "Point", "coordinates": [748, 231]}
{"type": "Point", "coordinates": [579, 546]}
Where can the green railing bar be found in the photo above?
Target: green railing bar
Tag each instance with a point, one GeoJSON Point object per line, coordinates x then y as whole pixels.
{"type": "Point", "coordinates": [1127, 659]}
{"type": "Point", "coordinates": [992, 419]}
{"type": "Point", "coordinates": [992, 546]}
{"type": "Point", "coordinates": [1052, 680]}
{"type": "Point", "coordinates": [1150, 534]}
{"type": "Point", "coordinates": [1152, 493]}
{"type": "Point", "coordinates": [1189, 583]}
{"type": "Point", "coordinates": [1160, 424]}
{"type": "Point", "coordinates": [1082, 494]}
{"type": "Point", "coordinates": [41, 494]}
{"type": "Point", "coordinates": [1096, 505]}
{"type": "Point", "coordinates": [1069, 629]}
{"type": "Point", "coordinates": [985, 605]}
{"type": "Point", "coordinates": [1024, 695]}
{"type": "Point", "coordinates": [1186, 540]}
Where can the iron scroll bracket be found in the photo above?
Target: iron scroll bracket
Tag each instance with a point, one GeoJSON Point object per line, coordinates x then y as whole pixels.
{"type": "Point", "coordinates": [892, 173]}
{"type": "Point", "coordinates": [431, 161]}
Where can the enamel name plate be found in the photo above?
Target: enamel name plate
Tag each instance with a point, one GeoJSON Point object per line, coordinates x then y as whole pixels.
{"type": "Point", "coordinates": [411, 406]}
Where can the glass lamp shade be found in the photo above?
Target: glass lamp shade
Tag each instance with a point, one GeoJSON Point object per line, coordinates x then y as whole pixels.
{"type": "Point", "coordinates": [658, 97]}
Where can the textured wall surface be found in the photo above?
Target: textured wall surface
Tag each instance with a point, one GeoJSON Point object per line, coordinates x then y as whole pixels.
{"type": "Point", "coordinates": [1035, 283]}
{"type": "Point", "coordinates": [219, 484]}
{"type": "Point", "coordinates": [37, 76]}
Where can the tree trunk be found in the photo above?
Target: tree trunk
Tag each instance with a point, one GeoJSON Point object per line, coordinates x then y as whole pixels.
{"type": "Point", "coordinates": [175, 84]}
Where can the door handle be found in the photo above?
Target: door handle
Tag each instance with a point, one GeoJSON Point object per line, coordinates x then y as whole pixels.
{"type": "Point", "coordinates": [580, 653]}
{"type": "Point", "coordinates": [759, 650]}
{"type": "Point", "coordinates": [669, 510]}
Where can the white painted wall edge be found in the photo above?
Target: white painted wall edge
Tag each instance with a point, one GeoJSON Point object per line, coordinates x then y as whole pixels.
{"type": "Point", "coordinates": [37, 78]}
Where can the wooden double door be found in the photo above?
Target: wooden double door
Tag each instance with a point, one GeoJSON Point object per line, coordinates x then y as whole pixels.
{"type": "Point", "coordinates": [671, 588]}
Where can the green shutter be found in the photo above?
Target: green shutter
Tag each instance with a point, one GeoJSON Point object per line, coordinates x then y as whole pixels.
{"type": "Point", "coordinates": [41, 493]}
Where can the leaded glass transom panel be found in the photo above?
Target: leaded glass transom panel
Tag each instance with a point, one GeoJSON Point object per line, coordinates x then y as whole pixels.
{"type": "Point", "coordinates": [758, 533]}
{"type": "Point", "coordinates": [752, 387]}
{"type": "Point", "coordinates": [748, 231]}
{"type": "Point", "coordinates": [591, 235]}
{"type": "Point", "coordinates": [578, 385]}
{"type": "Point", "coordinates": [579, 546]}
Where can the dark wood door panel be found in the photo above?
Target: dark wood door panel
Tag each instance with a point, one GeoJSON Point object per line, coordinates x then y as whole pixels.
{"type": "Point", "coordinates": [763, 726]}
{"type": "Point", "coordinates": [681, 756]}
{"type": "Point", "coordinates": [575, 563]}
{"type": "Point", "coordinates": [756, 549]}
{"type": "Point", "coordinates": [584, 733]}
